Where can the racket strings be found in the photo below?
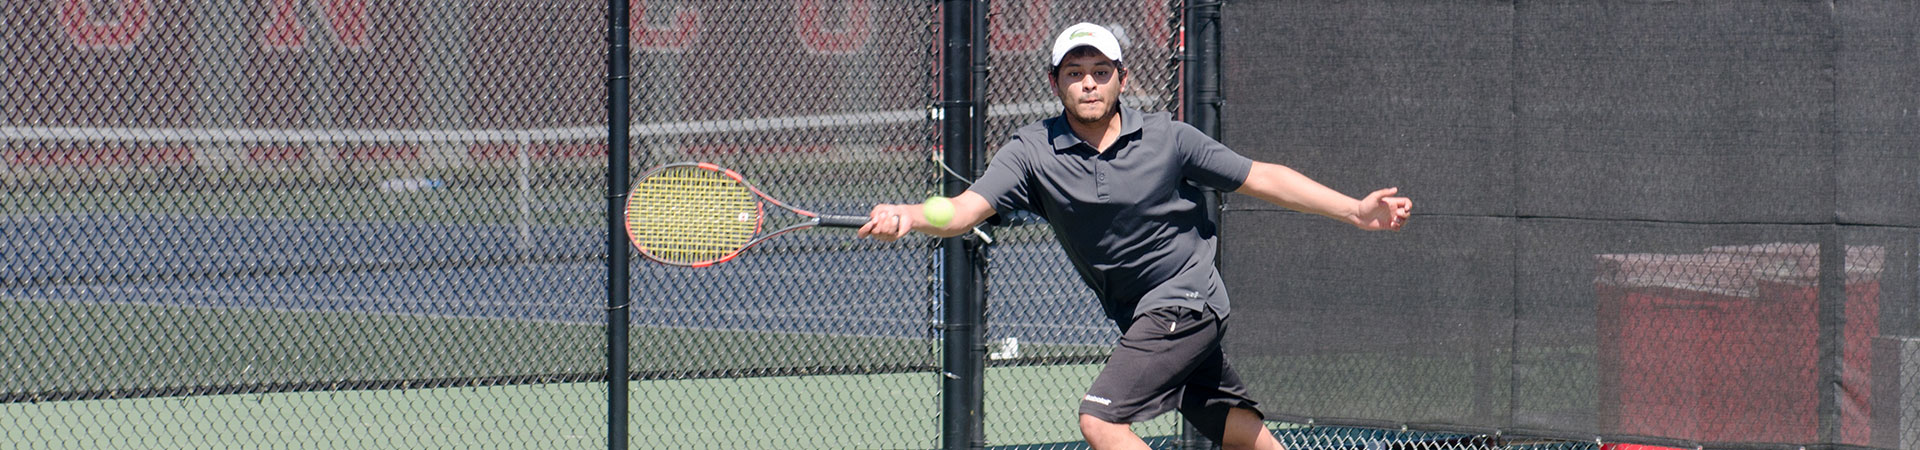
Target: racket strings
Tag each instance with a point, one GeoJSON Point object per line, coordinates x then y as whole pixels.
{"type": "Point", "coordinates": [690, 215]}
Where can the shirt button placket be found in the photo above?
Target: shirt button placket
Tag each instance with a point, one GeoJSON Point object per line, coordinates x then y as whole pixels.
{"type": "Point", "coordinates": [1101, 170]}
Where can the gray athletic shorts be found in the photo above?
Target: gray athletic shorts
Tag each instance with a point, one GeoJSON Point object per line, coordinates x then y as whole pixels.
{"type": "Point", "coordinates": [1169, 359]}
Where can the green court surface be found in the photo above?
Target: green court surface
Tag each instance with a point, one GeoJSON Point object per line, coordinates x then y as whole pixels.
{"type": "Point", "coordinates": [89, 375]}
{"type": "Point", "coordinates": [96, 349]}
{"type": "Point", "coordinates": [1026, 405]}
{"type": "Point", "coordinates": [122, 350]}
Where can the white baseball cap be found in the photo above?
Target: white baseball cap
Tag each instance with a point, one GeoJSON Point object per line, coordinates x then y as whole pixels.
{"type": "Point", "coordinates": [1086, 34]}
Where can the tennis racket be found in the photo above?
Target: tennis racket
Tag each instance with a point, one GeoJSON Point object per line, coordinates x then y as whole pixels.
{"type": "Point", "coordinates": [692, 214]}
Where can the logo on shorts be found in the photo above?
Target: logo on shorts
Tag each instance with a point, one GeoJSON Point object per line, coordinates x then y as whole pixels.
{"type": "Point", "coordinates": [1097, 399]}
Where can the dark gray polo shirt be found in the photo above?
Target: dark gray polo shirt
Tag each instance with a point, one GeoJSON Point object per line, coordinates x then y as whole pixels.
{"type": "Point", "coordinates": [1135, 228]}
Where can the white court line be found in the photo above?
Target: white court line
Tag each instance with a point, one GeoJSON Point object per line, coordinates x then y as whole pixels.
{"type": "Point", "coordinates": [385, 136]}
{"type": "Point", "coordinates": [800, 313]}
{"type": "Point", "coordinates": [46, 299]}
{"type": "Point", "coordinates": [369, 300]}
{"type": "Point", "coordinates": [796, 314]}
{"type": "Point", "coordinates": [380, 304]}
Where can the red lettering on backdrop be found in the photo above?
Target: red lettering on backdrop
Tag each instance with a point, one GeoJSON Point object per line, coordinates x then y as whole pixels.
{"type": "Point", "coordinates": [1156, 32]}
{"type": "Point", "coordinates": [347, 19]}
{"type": "Point", "coordinates": [817, 39]}
{"type": "Point", "coordinates": [1028, 37]}
{"type": "Point", "coordinates": [76, 17]}
{"type": "Point", "coordinates": [677, 37]}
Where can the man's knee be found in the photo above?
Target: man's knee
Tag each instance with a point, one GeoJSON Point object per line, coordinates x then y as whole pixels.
{"type": "Point", "coordinates": [1094, 427]}
{"type": "Point", "coordinates": [1246, 430]}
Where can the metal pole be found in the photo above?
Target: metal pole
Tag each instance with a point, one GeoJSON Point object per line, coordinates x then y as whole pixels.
{"type": "Point", "coordinates": [1201, 107]}
{"type": "Point", "coordinates": [964, 350]}
{"type": "Point", "coordinates": [617, 245]}
{"type": "Point", "coordinates": [1830, 319]}
{"type": "Point", "coordinates": [976, 250]}
{"type": "Point", "coordinates": [1203, 74]}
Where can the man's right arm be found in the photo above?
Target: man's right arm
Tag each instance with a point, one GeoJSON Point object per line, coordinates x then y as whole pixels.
{"type": "Point", "coordinates": [888, 222]}
{"type": "Point", "coordinates": [1003, 183]}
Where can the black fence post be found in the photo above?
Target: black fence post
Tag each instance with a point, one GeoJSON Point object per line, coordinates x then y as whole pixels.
{"type": "Point", "coordinates": [617, 275]}
{"type": "Point", "coordinates": [1200, 106]}
{"type": "Point", "coordinates": [962, 122]}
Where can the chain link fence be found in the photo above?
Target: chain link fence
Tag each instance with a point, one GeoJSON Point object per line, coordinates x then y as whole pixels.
{"type": "Point", "coordinates": [815, 339]}
{"type": "Point", "coordinates": [326, 224]}
{"type": "Point", "coordinates": [359, 224]}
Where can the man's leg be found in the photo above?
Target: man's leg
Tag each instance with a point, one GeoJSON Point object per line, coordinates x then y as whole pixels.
{"type": "Point", "coordinates": [1245, 431]}
{"type": "Point", "coordinates": [1145, 374]}
{"type": "Point", "coordinates": [1104, 435]}
{"type": "Point", "coordinates": [1217, 403]}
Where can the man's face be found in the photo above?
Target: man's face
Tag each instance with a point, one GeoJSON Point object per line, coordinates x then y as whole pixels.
{"type": "Point", "coordinates": [1089, 85]}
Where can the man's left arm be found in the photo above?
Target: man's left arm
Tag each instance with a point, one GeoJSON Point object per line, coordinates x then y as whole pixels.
{"type": "Point", "coordinates": [1290, 189]}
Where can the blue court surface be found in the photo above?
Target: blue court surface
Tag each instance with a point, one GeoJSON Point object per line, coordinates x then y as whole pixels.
{"type": "Point", "coordinates": [816, 282]}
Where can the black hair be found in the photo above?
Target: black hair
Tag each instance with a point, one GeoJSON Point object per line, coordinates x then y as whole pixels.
{"type": "Point", "coordinates": [1084, 50]}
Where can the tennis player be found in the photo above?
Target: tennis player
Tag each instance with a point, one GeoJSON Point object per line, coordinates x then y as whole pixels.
{"type": "Point", "coordinates": [1118, 187]}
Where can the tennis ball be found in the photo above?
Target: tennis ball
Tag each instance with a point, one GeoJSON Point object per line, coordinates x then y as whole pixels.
{"type": "Point", "coordinates": [937, 210]}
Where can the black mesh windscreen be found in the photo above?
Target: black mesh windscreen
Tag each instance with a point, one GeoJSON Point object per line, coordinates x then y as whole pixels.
{"type": "Point", "coordinates": [1676, 223]}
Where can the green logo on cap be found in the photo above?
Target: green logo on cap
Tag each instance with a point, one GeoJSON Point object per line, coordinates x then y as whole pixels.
{"type": "Point", "coordinates": [1079, 34]}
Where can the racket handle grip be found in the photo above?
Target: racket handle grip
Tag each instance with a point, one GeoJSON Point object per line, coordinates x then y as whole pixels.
{"type": "Point", "coordinates": [842, 221]}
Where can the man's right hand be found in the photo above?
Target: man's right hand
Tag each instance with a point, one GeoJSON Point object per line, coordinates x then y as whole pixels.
{"type": "Point", "coordinates": [890, 222]}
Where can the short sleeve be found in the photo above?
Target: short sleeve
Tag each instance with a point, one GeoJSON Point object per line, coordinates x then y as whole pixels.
{"type": "Point", "coordinates": [1210, 163]}
{"type": "Point", "coordinates": [1004, 184]}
